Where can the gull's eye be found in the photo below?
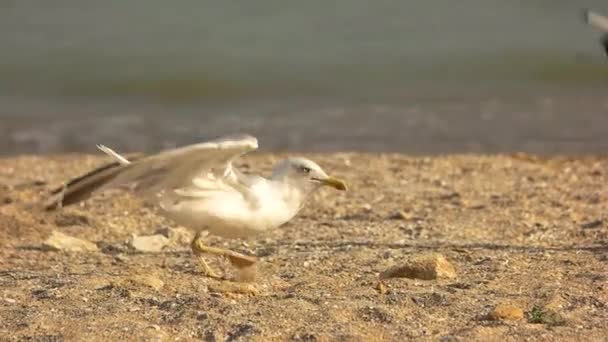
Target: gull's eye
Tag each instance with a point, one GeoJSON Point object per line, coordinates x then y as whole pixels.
{"type": "Point", "coordinates": [304, 169]}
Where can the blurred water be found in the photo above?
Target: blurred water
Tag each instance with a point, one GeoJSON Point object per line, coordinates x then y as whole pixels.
{"type": "Point", "coordinates": [425, 76]}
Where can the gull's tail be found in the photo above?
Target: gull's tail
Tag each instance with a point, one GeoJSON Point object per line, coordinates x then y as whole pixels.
{"type": "Point", "coordinates": [81, 187]}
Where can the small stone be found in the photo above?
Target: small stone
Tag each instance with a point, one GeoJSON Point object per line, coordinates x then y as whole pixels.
{"type": "Point", "coordinates": [148, 281]}
{"type": "Point", "coordinates": [66, 220]}
{"type": "Point", "coordinates": [399, 215]}
{"type": "Point", "coordinates": [121, 258]}
{"type": "Point", "coordinates": [448, 195]}
{"type": "Point", "coordinates": [178, 236]}
{"type": "Point", "coordinates": [240, 331]}
{"type": "Point", "coordinates": [475, 206]}
{"type": "Point", "coordinates": [505, 311]}
{"type": "Point", "coordinates": [592, 224]}
{"type": "Point", "coordinates": [149, 243]}
{"type": "Point", "coordinates": [426, 267]}
{"type": "Point", "coordinates": [374, 314]}
{"type": "Point", "coordinates": [381, 288]}
{"type": "Point", "coordinates": [62, 242]}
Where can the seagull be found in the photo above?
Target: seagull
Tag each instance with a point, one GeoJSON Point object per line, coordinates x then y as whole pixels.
{"type": "Point", "coordinates": [197, 186]}
{"type": "Point", "coordinates": [599, 22]}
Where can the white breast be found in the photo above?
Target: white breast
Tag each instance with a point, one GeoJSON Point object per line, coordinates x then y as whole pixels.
{"type": "Point", "coordinates": [230, 214]}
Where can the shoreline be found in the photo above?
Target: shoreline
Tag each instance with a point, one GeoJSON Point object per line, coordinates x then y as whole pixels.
{"type": "Point", "coordinates": [522, 229]}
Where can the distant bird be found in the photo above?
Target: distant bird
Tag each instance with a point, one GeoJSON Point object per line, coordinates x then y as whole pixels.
{"type": "Point", "coordinates": [599, 22]}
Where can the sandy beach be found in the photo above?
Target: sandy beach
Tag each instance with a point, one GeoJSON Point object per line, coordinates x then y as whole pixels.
{"type": "Point", "coordinates": [523, 233]}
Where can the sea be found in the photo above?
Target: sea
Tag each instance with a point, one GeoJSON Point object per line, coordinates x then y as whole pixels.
{"type": "Point", "coordinates": [420, 77]}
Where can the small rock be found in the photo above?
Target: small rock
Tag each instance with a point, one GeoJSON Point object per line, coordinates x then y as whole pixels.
{"type": "Point", "coordinates": [374, 314]}
{"type": "Point", "coordinates": [240, 331]}
{"type": "Point", "coordinates": [66, 220]}
{"type": "Point", "coordinates": [148, 281]}
{"type": "Point", "coordinates": [475, 206]}
{"type": "Point", "coordinates": [38, 182]}
{"type": "Point", "coordinates": [506, 312]}
{"type": "Point", "coordinates": [427, 300]}
{"type": "Point", "coordinates": [449, 195]}
{"type": "Point", "coordinates": [62, 242]}
{"type": "Point", "coordinates": [426, 267]}
{"type": "Point", "coordinates": [405, 216]}
{"type": "Point", "coordinates": [381, 288]}
{"type": "Point", "coordinates": [399, 215]}
{"type": "Point", "coordinates": [592, 224]}
{"type": "Point", "coordinates": [149, 243]}
{"type": "Point", "coordinates": [121, 258]}
{"type": "Point", "coordinates": [304, 337]}
{"type": "Point", "coordinates": [177, 236]}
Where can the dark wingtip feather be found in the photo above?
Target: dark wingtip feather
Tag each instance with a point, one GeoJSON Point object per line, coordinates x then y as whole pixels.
{"type": "Point", "coordinates": [81, 187]}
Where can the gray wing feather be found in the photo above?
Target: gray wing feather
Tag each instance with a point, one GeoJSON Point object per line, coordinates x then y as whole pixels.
{"type": "Point", "coordinates": [179, 168]}
{"type": "Point", "coordinates": [182, 169]}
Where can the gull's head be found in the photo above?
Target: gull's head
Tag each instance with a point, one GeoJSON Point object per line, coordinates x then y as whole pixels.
{"type": "Point", "coordinates": [306, 173]}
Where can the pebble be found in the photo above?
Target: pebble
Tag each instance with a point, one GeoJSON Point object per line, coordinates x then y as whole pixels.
{"type": "Point", "coordinates": [148, 281]}
{"type": "Point", "coordinates": [381, 288]}
{"type": "Point", "coordinates": [426, 267]}
{"type": "Point", "coordinates": [399, 215]}
{"type": "Point", "coordinates": [121, 258]}
{"type": "Point", "coordinates": [505, 311]}
{"type": "Point", "coordinates": [592, 224]}
{"type": "Point", "coordinates": [178, 236]}
{"type": "Point", "coordinates": [59, 241]}
{"type": "Point", "coordinates": [149, 243]}
{"type": "Point", "coordinates": [67, 220]}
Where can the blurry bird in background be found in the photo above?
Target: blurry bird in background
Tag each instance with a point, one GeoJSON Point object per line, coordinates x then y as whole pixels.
{"type": "Point", "coordinates": [600, 23]}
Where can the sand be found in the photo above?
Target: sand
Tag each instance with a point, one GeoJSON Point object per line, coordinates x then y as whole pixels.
{"type": "Point", "coordinates": [523, 233]}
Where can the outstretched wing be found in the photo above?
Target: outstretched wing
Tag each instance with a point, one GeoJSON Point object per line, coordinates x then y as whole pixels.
{"type": "Point", "coordinates": [206, 166]}
{"type": "Point", "coordinates": [193, 170]}
{"type": "Point", "coordinates": [596, 20]}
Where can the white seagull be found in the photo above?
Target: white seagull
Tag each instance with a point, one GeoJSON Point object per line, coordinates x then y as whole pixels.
{"type": "Point", "coordinates": [600, 23]}
{"type": "Point", "coordinates": [196, 186]}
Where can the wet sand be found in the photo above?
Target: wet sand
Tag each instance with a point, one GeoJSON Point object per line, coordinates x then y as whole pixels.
{"type": "Point", "coordinates": [520, 230]}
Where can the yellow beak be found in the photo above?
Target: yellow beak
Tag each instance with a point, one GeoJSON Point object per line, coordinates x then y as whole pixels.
{"type": "Point", "coordinates": [334, 183]}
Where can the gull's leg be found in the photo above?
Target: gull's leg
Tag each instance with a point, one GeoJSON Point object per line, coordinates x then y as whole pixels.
{"type": "Point", "coordinates": [238, 260]}
{"type": "Point", "coordinates": [63, 191]}
{"type": "Point", "coordinates": [243, 262]}
{"type": "Point", "coordinates": [195, 245]}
